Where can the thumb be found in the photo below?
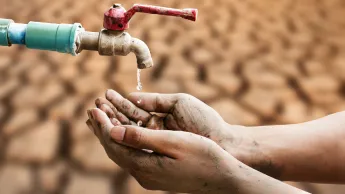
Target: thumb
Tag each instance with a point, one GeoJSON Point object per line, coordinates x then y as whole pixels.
{"type": "Point", "coordinates": [159, 141]}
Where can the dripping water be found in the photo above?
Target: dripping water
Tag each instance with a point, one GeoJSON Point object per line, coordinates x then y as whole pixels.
{"type": "Point", "coordinates": [139, 88]}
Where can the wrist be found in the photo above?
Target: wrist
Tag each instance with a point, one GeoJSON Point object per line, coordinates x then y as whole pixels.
{"type": "Point", "coordinates": [226, 180]}
{"type": "Point", "coordinates": [242, 179]}
{"type": "Point", "coordinates": [248, 145]}
{"type": "Point", "coordinates": [239, 141]}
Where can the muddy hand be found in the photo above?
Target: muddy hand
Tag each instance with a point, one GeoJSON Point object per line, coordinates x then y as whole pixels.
{"type": "Point", "coordinates": [180, 164]}
{"type": "Point", "coordinates": [184, 113]}
{"type": "Point", "coordinates": [181, 112]}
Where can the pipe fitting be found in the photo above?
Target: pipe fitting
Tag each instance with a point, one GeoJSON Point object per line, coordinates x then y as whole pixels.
{"type": "Point", "coordinates": [109, 43]}
{"type": "Point", "coordinates": [142, 51]}
{"type": "Point", "coordinates": [53, 37]}
{"type": "Point", "coordinates": [4, 26]}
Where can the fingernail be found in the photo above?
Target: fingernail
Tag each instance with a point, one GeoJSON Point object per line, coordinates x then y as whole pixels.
{"type": "Point", "coordinates": [107, 94]}
{"type": "Point", "coordinates": [118, 133]}
{"type": "Point", "coordinates": [97, 102]}
{"type": "Point", "coordinates": [89, 114]}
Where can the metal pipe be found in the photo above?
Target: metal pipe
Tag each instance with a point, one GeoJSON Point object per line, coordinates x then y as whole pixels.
{"type": "Point", "coordinates": [142, 51]}
{"type": "Point", "coordinates": [87, 41]}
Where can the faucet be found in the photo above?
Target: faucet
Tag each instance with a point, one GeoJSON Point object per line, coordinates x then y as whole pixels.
{"type": "Point", "coordinates": [73, 39]}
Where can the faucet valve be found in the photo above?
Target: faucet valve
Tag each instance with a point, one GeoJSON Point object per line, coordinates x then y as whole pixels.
{"type": "Point", "coordinates": [117, 18]}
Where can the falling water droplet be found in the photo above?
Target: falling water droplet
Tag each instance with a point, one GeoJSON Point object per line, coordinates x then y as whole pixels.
{"type": "Point", "coordinates": [139, 86]}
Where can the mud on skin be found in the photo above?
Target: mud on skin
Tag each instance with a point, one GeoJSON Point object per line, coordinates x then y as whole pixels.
{"type": "Point", "coordinates": [186, 113]}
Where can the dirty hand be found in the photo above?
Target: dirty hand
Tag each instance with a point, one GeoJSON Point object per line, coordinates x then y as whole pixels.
{"type": "Point", "coordinates": [181, 112]}
{"type": "Point", "coordinates": [278, 151]}
{"type": "Point", "coordinates": [179, 161]}
{"type": "Point", "coordinates": [178, 112]}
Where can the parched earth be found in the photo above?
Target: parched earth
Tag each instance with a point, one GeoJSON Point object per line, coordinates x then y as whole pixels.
{"type": "Point", "coordinates": [256, 62]}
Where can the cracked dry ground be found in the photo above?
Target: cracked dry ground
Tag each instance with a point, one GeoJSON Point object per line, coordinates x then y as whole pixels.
{"type": "Point", "coordinates": [256, 62]}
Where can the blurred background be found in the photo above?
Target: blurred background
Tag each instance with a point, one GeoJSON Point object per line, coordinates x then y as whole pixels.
{"type": "Point", "coordinates": [256, 62]}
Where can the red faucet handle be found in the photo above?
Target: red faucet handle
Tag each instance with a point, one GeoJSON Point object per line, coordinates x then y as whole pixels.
{"type": "Point", "coordinates": [117, 18]}
{"type": "Point", "coordinates": [189, 14]}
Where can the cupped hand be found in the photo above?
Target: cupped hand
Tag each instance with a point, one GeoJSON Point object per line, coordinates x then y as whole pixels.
{"type": "Point", "coordinates": [180, 161]}
{"type": "Point", "coordinates": [178, 112]}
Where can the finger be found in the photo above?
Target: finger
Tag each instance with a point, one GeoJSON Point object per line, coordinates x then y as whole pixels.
{"type": "Point", "coordinates": [99, 101]}
{"type": "Point", "coordinates": [94, 125]}
{"type": "Point", "coordinates": [171, 124]}
{"type": "Point", "coordinates": [89, 125]}
{"type": "Point", "coordinates": [124, 156]}
{"type": "Point", "coordinates": [156, 123]}
{"type": "Point", "coordinates": [115, 122]}
{"type": "Point", "coordinates": [159, 141]}
{"type": "Point", "coordinates": [154, 102]}
{"type": "Point", "coordinates": [127, 107]}
{"type": "Point", "coordinates": [124, 120]}
{"type": "Point", "coordinates": [102, 121]}
{"type": "Point", "coordinates": [104, 124]}
{"type": "Point", "coordinates": [121, 117]}
{"type": "Point", "coordinates": [106, 108]}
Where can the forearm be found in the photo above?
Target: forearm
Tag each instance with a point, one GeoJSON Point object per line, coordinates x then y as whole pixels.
{"type": "Point", "coordinates": [241, 179]}
{"type": "Point", "coordinates": [312, 151]}
{"type": "Point", "coordinates": [254, 182]}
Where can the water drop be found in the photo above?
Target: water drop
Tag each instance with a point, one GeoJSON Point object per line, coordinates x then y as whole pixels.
{"type": "Point", "coordinates": [139, 86]}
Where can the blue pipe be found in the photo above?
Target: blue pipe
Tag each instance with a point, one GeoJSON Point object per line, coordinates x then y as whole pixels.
{"type": "Point", "coordinates": [4, 25]}
{"type": "Point", "coordinates": [44, 36]}
{"type": "Point", "coordinates": [16, 33]}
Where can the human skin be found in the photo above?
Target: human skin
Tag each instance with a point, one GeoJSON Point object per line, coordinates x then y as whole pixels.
{"type": "Point", "coordinates": [179, 161]}
{"type": "Point", "coordinates": [310, 152]}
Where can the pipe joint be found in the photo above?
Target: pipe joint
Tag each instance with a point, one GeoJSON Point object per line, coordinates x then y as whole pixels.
{"type": "Point", "coordinates": [4, 26]}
